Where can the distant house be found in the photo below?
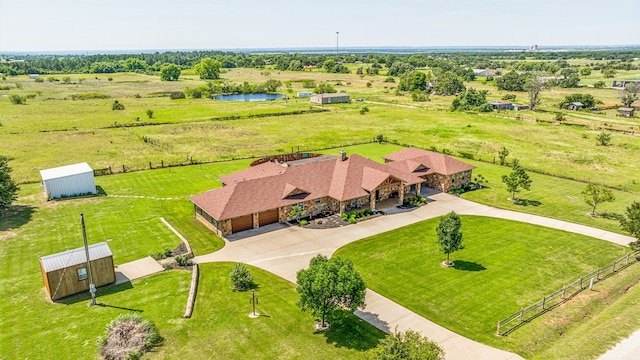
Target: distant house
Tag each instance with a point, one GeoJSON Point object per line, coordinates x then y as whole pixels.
{"type": "Point", "coordinates": [626, 111]}
{"type": "Point", "coordinates": [67, 271]}
{"type": "Point", "coordinates": [623, 83]}
{"type": "Point", "coordinates": [34, 76]}
{"type": "Point", "coordinates": [501, 104]}
{"type": "Point", "coordinates": [68, 181]}
{"type": "Point", "coordinates": [520, 107]}
{"type": "Point", "coordinates": [485, 72]}
{"type": "Point", "coordinates": [337, 98]}
{"type": "Point", "coordinates": [575, 106]}
{"type": "Point", "coordinates": [309, 67]}
{"type": "Point", "coordinates": [304, 94]}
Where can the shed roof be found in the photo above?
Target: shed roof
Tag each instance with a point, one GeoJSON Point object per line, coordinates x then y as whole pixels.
{"type": "Point", "coordinates": [75, 257]}
{"type": "Point", "coordinates": [64, 171]}
{"type": "Point", "coordinates": [331, 95]}
{"type": "Point", "coordinates": [626, 109]}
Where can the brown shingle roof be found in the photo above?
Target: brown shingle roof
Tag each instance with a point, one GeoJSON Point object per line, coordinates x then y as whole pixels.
{"type": "Point", "coordinates": [257, 190]}
{"type": "Point", "coordinates": [437, 163]}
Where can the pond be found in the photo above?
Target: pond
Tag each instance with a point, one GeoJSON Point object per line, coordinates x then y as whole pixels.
{"type": "Point", "coordinates": [248, 97]}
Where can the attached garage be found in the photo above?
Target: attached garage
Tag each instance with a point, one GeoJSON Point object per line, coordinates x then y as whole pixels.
{"type": "Point", "coordinates": [241, 223]}
{"type": "Point", "coordinates": [268, 217]}
{"type": "Point", "coordinates": [68, 181]}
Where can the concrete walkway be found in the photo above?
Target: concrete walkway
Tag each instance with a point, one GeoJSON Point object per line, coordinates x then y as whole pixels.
{"type": "Point", "coordinates": [285, 251]}
{"type": "Point", "coordinates": [137, 269]}
{"type": "Point", "coordinates": [627, 349]}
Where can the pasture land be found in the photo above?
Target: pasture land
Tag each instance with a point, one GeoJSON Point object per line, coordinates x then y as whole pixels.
{"type": "Point", "coordinates": [51, 131]}
{"type": "Point", "coordinates": [505, 265]}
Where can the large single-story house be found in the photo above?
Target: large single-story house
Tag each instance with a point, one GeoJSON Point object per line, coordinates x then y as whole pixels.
{"type": "Point", "coordinates": [265, 193]}
{"type": "Point", "coordinates": [327, 98]}
{"type": "Point", "coordinates": [66, 273]}
{"type": "Point", "coordinates": [485, 72]}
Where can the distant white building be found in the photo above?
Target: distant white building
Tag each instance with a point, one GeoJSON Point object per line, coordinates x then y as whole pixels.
{"type": "Point", "coordinates": [326, 98]}
{"type": "Point", "coordinates": [68, 181]}
{"type": "Point", "coordinates": [304, 94]}
{"type": "Point", "coordinates": [34, 76]}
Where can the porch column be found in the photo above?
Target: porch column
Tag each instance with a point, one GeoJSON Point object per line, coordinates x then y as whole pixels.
{"type": "Point", "coordinates": [418, 189]}
{"type": "Point", "coordinates": [341, 207]}
{"type": "Point", "coordinates": [401, 194]}
{"type": "Point", "coordinates": [256, 220]}
{"type": "Point", "coordinates": [372, 201]}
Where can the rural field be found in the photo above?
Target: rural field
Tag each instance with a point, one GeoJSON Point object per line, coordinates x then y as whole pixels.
{"type": "Point", "coordinates": [509, 264]}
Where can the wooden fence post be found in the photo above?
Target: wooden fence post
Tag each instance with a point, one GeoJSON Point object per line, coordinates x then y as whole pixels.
{"type": "Point", "coordinates": [563, 290]}
{"type": "Point", "coordinates": [521, 313]}
{"type": "Point", "coordinates": [162, 163]}
{"type": "Point", "coordinates": [613, 268]}
{"type": "Point", "coordinates": [110, 171]}
{"type": "Point", "coordinates": [544, 299]}
{"type": "Point", "coordinates": [598, 274]}
{"type": "Point", "coordinates": [123, 169]}
{"type": "Point", "coordinates": [581, 283]}
{"type": "Point", "coordinates": [627, 262]}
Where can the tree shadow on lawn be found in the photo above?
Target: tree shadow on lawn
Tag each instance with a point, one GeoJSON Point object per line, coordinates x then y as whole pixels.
{"type": "Point", "coordinates": [15, 216]}
{"type": "Point", "coordinates": [468, 266]}
{"type": "Point", "coordinates": [347, 330]}
{"type": "Point", "coordinates": [526, 202]}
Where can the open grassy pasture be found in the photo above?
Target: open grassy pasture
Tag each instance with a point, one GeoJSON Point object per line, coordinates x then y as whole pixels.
{"type": "Point", "coordinates": [505, 266]}
{"type": "Point", "coordinates": [218, 329]}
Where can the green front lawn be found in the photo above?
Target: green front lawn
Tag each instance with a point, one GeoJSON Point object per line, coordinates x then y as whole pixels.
{"type": "Point", "coordinates": [219, 327]}
{"type": "Point", "coordinates": [505, 265]}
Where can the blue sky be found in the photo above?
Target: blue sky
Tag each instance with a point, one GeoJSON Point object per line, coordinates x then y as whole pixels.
{"type": "Point", "coordinates": [57, 25]}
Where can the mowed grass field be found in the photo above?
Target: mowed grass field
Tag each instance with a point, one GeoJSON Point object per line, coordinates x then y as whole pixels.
{"type": "Point", "coordinates": [505, 265]}
{"type": "Point", "coordinates": [219, 327]}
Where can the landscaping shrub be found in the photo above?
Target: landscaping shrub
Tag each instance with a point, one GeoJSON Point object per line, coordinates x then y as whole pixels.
{"type": "Point", "coordinates": [352, 220]}
{"type": "Point", "coordinates": [304, 223]}
{"type": "Point", "coordinates": [128, 336]}
{"type": "Point", "coordinates": [345, 217]}
{"type": "Point", "coordinates": [241, 278]}
{"type": "Point", "coordinates": [183, 260]}
{"type": "Point", "coordinates": [17, 99]}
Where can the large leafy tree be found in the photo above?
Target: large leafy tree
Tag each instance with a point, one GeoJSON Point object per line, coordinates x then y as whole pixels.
{"type": "Point", "coordinates": [630, 94]}
{"type": "Point", "coordinates": [534, 87]}
{"type": "Point", "coordinates": [471, 99]}
{"type": "Point", "coordinates": [511, 81]}
{"type": "Point", "coordinates": [517, 179]}
{"type": "Point", "coordinates": [449, 83]}
{"type": "Point", "coordinates": [208, 69]}
{"type": "Point", "coordinates": [449, 235]}
{"type": "Point", "coordinates": [586, 99]}
{"type": "Point", "coordinates": [409, 345]}
{"type": "Point", "coordinates": [328, 285]}
{"type": "Point", "coordinates": [169, 72]}
{"type": "Point", "coordinates": [8, 187]}
{"type": "Point", "coordinates": [631, 221]}
{"type": "Point", "coordinates": [595, 194]}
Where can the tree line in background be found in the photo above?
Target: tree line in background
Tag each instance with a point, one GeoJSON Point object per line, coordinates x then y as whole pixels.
{"type": "Point", "coordinates": [550, 62]}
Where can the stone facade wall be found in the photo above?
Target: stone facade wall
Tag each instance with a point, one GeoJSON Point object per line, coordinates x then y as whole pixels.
{"type": "Point", "coordinates": [223, 229]}
{"type": "Point", "coordinates": [311, 208]}
{"type": "Point", "coordinates": [445, 183]}
{"type": "Point", "coordinates": [385, 192]}
{"type": "Point", "coordinates": [356, 204]}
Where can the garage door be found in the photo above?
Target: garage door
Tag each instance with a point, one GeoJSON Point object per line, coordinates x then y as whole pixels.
{"type": "Point", "coordinates": [268, 217]}
{"type": "Point", "coordinates": [242, 223]}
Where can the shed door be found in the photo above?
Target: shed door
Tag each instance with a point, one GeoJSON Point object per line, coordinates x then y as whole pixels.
{"type": "Point", "coordinates": [268, 217]}
{"type": "Point", "coordinates": [242, 223]}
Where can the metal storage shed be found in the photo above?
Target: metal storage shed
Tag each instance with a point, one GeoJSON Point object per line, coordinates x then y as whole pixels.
{"type": "Point", "coordinates": [68, 181]}
{"type": "Point", "coordinates": [67, 271]}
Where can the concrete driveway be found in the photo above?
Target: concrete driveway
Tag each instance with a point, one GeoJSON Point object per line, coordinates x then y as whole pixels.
{"type": "Point", "coordinates": [285, 251]}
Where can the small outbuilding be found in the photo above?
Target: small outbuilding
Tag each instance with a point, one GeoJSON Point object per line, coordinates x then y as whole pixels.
{"type": "Point", "coordinates": [337, 98]}
{"type": "Point", "coordinates": [68, 181]}
{"type": "Point", "coordinates": [67, 271]}
{"type": "Point", "coordinates": [575, 106]}
{"type": "Point", "coordinates": [500, 105]}
{"type": "Point", "coordinates": [304, 94]}
{"type": "Point", "coordinates": [626, 111]}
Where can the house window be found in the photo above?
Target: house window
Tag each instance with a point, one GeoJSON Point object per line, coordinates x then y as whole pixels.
{"type": "Point", "coordinates": [82, 274]}
{"type": "Point", "coordinates": [318, 201]}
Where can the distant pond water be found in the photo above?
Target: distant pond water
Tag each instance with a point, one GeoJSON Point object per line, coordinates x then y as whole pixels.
{"type": "Point", "coordinates": [248, 97]}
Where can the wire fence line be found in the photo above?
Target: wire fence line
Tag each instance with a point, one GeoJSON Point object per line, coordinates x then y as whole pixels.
{"type": "Point", "coordinates": [551, 301]}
